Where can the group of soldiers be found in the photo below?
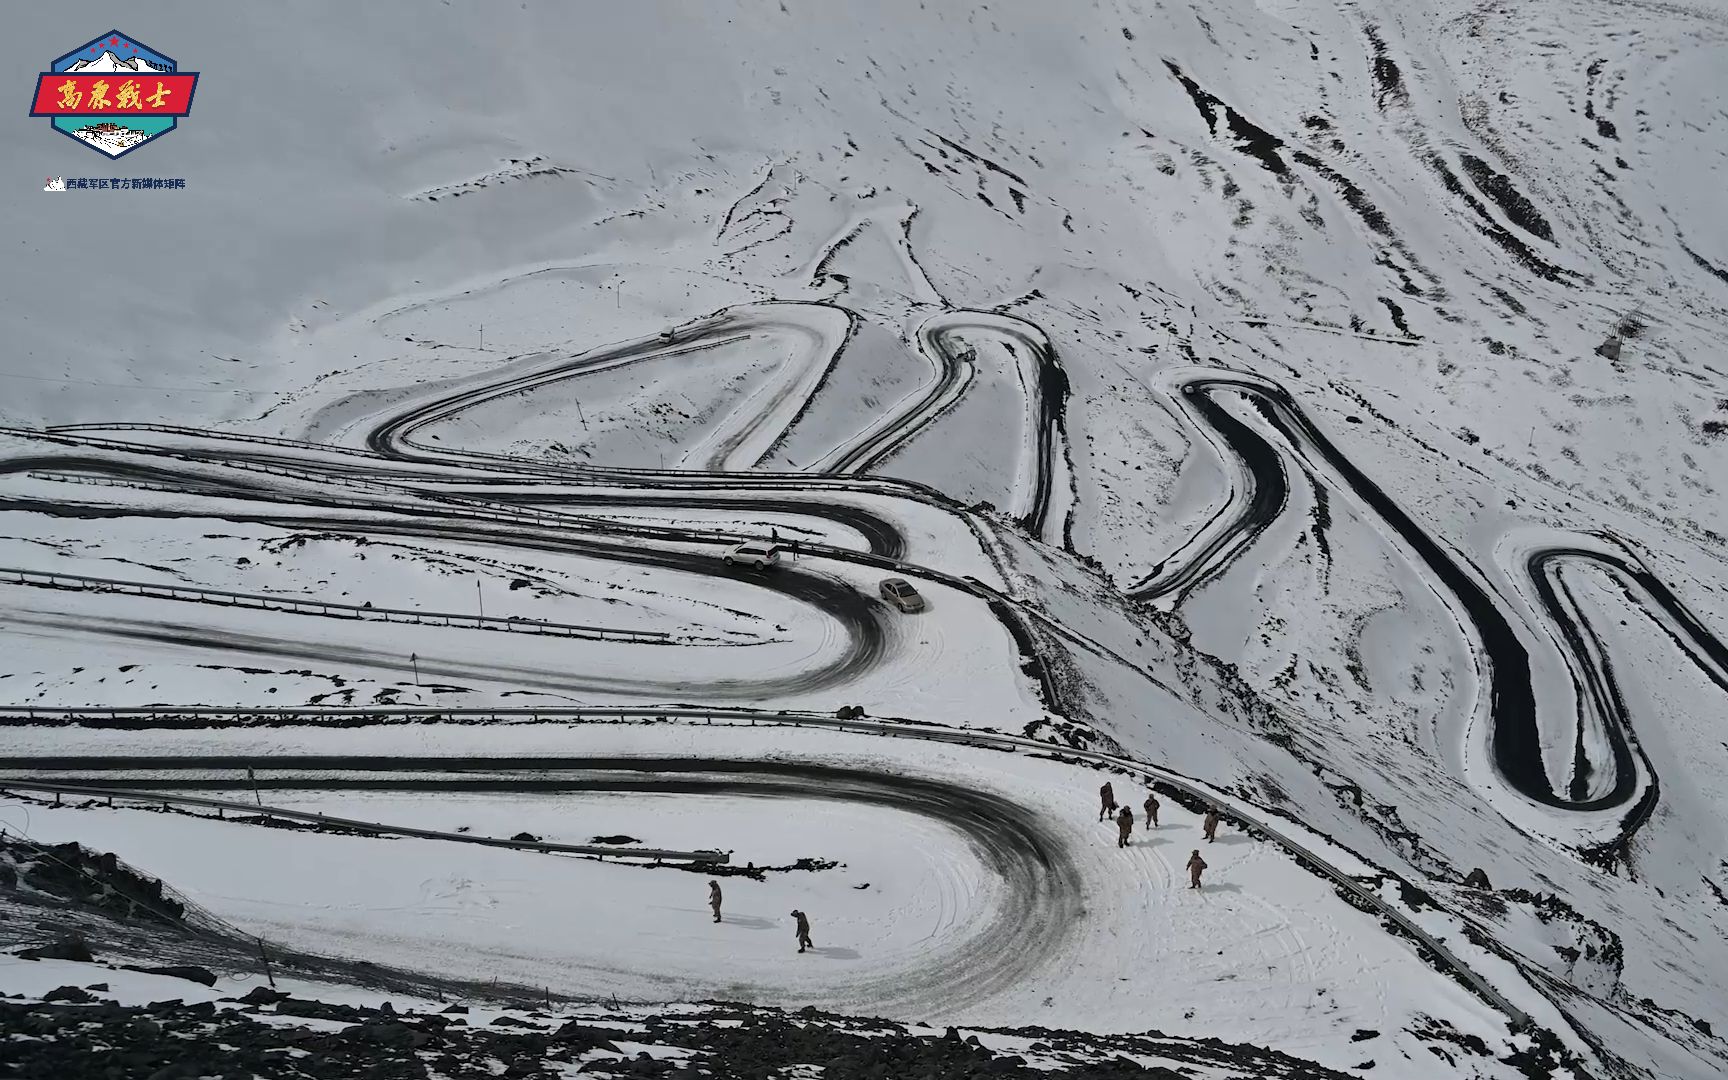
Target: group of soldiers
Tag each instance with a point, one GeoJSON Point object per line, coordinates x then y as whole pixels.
{"type": "Point", "coordinates": [1125, 826]}
{"type": "Point", "coordinates": [1107, 808]}
{"type": "Point", "coordinates": [800, 921]}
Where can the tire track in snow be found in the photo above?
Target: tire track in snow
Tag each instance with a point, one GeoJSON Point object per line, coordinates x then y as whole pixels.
{"type": "Point", "coordinates": [1041, 907]}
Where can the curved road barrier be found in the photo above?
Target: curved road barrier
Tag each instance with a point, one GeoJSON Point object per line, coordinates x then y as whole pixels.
{"type": "Point", "coordinates": [80, 583]}
{"type": "Point", "coordinates": [372, 827]}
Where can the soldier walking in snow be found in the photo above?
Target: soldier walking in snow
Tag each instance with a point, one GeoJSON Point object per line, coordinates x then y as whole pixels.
{"type": "Point", "coordinates": [714, 898]}
{"type": "Point", "coordinates": [1195, 865]}
{"type": "Point", "coordinates": [803, 930]}
{"type": "Point", "coordinates": [1209, 825]}
{"type": "Point", "coordinates": [1106, 801]}
{"type": "Point", "coordinates": [1124, 826]}
{"type": "Point", "coordinates": [1151, 810]}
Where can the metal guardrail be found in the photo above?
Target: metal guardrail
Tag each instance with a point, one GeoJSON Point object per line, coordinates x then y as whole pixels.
{"type": "Point", "coordinates": [348, 715]}
{"type": "Point", "coordinates": [452, 504]}
{"type": "Point", "coordinates": [135, 795]}
{"type": "Point", "coordinates": [82, 583]}
{"type": "Point", "coordinates": [232, 436]}
{"type": "Point", "coordinates": [481, 461]}
{"type": "Point", "coordinates": [473, 507]}
{"type": "Point", "coordinates": [904, 729]}
{"type": "Point", "coordinates": [309, 474]}
{"type": "Point", "coordinates": [100, 481]}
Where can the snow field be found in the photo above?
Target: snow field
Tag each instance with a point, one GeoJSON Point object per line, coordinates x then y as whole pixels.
{"type": "Point", "coordinates": [1109, 202]}
{"type": "Point", "coordinates": [1265, 950]}
{"type": "Point", "coordinates": [202, 652]}
{"type": "Point", "coordinates": [349, 567]}
{"type": "Point", "coordinates": [582, 928]}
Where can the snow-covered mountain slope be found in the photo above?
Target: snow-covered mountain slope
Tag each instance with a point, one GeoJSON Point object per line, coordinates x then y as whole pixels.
{"type": "Point", "coordinates": [1321, 402]}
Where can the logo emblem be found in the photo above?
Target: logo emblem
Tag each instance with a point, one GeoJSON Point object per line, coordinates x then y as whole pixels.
{"type": "Point", "coordinates": [114, 94]}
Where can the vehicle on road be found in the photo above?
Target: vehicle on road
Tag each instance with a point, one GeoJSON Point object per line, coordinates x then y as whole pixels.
{"type": "Point", "coordinates": [757, 553]}
{"type": "Point", "coordinates": [900, 593]}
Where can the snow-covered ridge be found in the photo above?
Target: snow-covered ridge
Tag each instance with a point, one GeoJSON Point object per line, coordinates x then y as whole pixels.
{"type": "Point", "coordinates": [108, 61]}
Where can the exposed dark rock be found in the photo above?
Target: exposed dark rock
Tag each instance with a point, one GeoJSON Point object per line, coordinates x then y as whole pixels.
{"type": "Point", "coordinates": [317, 1010]}
{"type": "Point", "coordinates": [181, 971]}
{"type": "Point", "coordinates": [88, 879]}
{"type": "Point", "coordinates": [71, 947]}
{"type": "Point", "coordinates": [170, 1040]}
{"type": "Point", "coordinates": [584, 1038]}
{"type": "Point", "coordinates": [1249, 137]}
{"type": "Point", "coordinates": [397, 1035]}
{"type": "Point", "coordinates": [1499, 187]}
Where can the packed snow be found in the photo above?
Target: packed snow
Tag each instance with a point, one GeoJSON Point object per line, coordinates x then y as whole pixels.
{"type": "Point", "coordinates": [1320, 404]}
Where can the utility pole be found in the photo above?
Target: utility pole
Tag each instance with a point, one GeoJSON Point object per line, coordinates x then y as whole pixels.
{"type": "Point", "coordinates": [262, 955]}
{"type": "Point", "coordinates": [253, 777]}
{"type": "Point", "coordinates": [482, 337]}
{"type": "Point", "coordinates": [414, 658]}
{"type": "Point", "coordinates": [481, 597]}
{"type": "Point", "coordinates": [579, 415]}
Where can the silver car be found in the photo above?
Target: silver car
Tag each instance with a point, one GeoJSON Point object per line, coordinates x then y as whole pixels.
{"type": "Point", "coordinates": [900, 593]}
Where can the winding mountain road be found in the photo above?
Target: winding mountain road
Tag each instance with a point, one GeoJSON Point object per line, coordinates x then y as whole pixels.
{"type": "Point", "coordinates": [1625, 783]}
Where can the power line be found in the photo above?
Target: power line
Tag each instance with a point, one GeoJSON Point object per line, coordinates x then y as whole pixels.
{"type": "Point", "coordinates": [127, 386]}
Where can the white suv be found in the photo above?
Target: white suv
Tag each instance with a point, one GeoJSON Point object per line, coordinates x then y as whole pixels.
{"type": "Point", "coordinates": [758, 553]}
